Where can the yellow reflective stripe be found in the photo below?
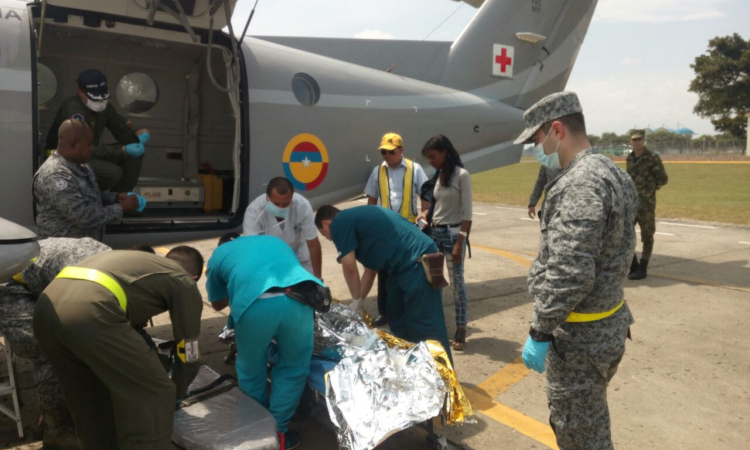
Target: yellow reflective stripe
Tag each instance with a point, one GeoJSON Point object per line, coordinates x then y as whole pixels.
{"type": "Point", "coordinates": [385, 191]}
{"type": "Point", "coordinates": [18, 278]}
{"type": "Point", "coordinates": [80, 273]}
{"type": "Point", "coordinates": [407, 209]}
{"type": "Point", "coordinates": [406, 206]}
{"type": "Point", "coordinates": [592, 317]}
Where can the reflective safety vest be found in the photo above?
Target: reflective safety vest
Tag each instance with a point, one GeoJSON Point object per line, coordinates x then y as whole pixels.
{"type": "Point", "coordinates": [592, 317]}
{"type": "Point", "coordinates": [81, 273]}
{"type": "Point", "coordinates": [407, 208]}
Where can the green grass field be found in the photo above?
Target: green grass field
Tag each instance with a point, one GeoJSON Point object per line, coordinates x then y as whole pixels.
{"type": "Point", "coordinates": [707, 192]}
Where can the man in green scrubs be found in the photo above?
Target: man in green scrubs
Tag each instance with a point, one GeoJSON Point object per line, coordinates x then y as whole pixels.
{"type": "Point", "coordinates": [380, 239]}
{"type": "Point", "coordinates": [116, 389]}
{"type": "Point", "coordinates": [249, 274]}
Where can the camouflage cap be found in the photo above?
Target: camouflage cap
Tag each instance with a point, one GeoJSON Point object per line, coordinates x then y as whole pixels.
{"type": "Point", "coordinates": [638, 134]}
{"type": "Point", "coordinates": [549, 108]}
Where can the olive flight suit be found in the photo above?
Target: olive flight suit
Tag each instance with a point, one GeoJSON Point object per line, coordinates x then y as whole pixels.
{"type": "Point", "coordinates": [116, 389]}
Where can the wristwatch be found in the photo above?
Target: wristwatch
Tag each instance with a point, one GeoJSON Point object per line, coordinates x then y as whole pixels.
{"type": "Point", "coordinates": [464, 234]}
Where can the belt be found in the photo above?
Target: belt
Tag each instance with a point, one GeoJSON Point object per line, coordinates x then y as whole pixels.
{"type": "Point", "coordinates": [445, 226]}
{"type": "Point", "coordinates": [592, 317]}
{"type": "Point", "coordinates": [80, 273]}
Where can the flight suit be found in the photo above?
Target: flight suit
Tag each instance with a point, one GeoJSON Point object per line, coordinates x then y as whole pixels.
{"type": "Point", "coordinates": [383, 240]}
{"type": "Point", "coordinates": [586, 245]}
{"type": "Point", "coordinates": [648, 174]}
{"type": "Point", "coordinates": [116, 389]}
{"type": "Point", "coordinates": [69, 202]}
{"type": "Point", "coordinates": [17, 310]}
{"type": "Point", "coordinates": [246, 271]}
{"type": "Point", "coordinates": [114, 170]}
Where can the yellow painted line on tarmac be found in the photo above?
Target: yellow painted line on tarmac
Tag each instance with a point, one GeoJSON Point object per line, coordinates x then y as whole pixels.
{"type": "Point", "coordinates": [698, 281]}
{"type": "Point", "coordinates": [504, 378]}
{"type": "Point", "coordinates": [526, 262]}
{"type": "Point", "coordinates": [522, 423]}
{"type": "Point", "coordinates": [482, 397]}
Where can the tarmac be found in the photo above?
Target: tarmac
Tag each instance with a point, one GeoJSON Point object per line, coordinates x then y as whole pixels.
{"type": "Point", "coordinates": [684, 382]}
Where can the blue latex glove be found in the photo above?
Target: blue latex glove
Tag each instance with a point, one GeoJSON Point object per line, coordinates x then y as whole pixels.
{"type": "Point", "coordinates": [135, 150]}
{"type": "Point", "coordinates": [144, 137]}
{"type": "Point", "coordinates": [141, 202]}
{"type": "Point", "coordinates": [534, 354]}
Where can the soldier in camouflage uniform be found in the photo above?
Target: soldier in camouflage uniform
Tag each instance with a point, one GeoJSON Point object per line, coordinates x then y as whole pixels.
{"type": "Point", "coordinates": [17, 300]}
{"type": "Point", "coordinates": [545, 176]}
{"type": "Point", "coordinates": [117, 167]}
{"type": "Point", "coordinates": [580, 320]}
{"type": "Point", "coordinates": [648, 174]}
{"type": "Point", "coordinates": [68, 200]}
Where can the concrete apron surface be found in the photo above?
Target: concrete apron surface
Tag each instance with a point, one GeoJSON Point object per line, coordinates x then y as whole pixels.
{"type": "Point", "coordinates": [684, 382]}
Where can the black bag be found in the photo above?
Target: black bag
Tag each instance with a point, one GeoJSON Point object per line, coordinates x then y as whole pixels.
{"type": "Point", "coordinates": [312, 294]}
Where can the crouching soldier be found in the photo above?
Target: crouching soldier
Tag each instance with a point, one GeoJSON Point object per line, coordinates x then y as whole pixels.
{"type": "Point", "coordinates": [85, 321]}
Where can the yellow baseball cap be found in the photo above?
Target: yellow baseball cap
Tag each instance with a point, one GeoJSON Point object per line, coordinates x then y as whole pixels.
{"type": "Point", "coordinates": [391, 141]}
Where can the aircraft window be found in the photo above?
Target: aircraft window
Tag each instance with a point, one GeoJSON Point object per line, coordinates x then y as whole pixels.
{"type": "Point", "coordinates": [47, 84]}
{"type": "Point", "coordinates": [137, 93]}
{"type": "Point", "coordinates": [305, 89]}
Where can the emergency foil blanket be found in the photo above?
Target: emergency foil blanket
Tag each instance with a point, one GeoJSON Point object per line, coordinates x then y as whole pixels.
{"type": "Point", "coordinates": [375, 392]}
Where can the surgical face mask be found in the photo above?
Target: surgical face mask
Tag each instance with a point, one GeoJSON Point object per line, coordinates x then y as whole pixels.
{"type": "Point", "coordinates": [96, 106]}
{"type": "Point", "coordinates": [281, 213]}
{"type": "Point", "coordinates": [552, 161]}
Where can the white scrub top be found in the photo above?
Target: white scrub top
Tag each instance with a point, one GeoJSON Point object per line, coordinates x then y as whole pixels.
{"type": "Point", "coordinates": [295, 230]}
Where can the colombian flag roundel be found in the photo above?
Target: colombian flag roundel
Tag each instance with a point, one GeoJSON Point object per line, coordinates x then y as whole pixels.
{"type": "Point", "coordinates": [305, 162]}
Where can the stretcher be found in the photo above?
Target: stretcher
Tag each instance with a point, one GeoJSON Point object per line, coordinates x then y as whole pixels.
{"type": "Point", "coordinates": [216, 415]}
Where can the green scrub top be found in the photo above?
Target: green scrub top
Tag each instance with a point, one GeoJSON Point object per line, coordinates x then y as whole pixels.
{"type": "Point", "coordinates": [380, 238]}
{"type": "Point", "coordinates": [248, 266]}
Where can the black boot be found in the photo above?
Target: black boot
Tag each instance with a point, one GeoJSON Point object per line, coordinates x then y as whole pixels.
{"type": "Point", "coordinates": [642, 271]}
{"type": "Point", "coordinates": [633, 266]}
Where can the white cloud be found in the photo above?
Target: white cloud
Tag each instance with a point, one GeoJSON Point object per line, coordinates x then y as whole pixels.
{"type": "Point", "coordinates": [629, 62]}
{"type": "Point", "coordinates": [651, 98]}
{"type": "Point", "coordinates": [374, 34]}
{"type": "Point", "coordinates": [658, 11]}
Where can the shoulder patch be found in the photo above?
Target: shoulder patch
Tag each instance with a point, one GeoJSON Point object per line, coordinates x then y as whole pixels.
{"type": "Point", "coordinates": [60, 184]}
{"type": "Point", "coordinates": [77, 116]}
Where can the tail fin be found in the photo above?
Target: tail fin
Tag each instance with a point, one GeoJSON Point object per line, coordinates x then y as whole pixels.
{"type": "Point", "coordinates": [518, 51]}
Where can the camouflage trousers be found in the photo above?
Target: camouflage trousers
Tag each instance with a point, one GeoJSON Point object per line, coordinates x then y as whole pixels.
{"type": "Point", "coordinates": [646, 219]}
{"type": "Point", "coordinates": [578, 372]}
{"type": "Point", "coordinates": [16, 314]}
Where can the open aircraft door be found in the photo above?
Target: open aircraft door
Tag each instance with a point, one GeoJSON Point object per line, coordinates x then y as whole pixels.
{"type": "Point", "coordinates": [170, 69]}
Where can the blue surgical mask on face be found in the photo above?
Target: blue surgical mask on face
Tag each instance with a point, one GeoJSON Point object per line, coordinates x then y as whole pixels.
{"type": "Point", "coordinates": [281, 213]}
{"type": "Point", "coordinates": [552, 161]}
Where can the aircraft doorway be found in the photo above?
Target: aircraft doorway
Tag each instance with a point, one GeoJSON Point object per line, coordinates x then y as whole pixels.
{"type": "Point", "coordinates": [192, 173]}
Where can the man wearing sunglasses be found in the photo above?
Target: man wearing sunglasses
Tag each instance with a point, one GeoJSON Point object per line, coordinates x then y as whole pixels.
{"type": "Point", "coordinates": [648, 174]}
{"type": "Point", "coordinates": [395, 184]}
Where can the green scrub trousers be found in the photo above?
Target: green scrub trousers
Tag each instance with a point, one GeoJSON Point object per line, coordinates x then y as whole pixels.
{"type": "Point", "coordinates": [415, 308]}
{"type": "Point", "coordinates": [290, 324]}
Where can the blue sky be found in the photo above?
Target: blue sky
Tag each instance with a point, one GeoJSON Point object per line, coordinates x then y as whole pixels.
{"type": "Point", "coordinates": [633, 68]}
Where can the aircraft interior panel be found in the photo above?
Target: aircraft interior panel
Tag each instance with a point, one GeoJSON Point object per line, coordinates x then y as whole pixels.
{"type": "Point", "coordinates": [160, 85]}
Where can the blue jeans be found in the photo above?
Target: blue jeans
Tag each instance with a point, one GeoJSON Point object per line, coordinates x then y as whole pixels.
{"type": "Point", "coordinates": [445, 239]}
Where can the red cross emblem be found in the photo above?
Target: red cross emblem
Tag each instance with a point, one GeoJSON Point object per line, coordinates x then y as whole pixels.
{"type": "Point", "coordinates": [502, 61]}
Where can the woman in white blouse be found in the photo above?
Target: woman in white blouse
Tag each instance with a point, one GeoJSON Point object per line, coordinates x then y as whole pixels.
{"type": "Point", "coordinates": [450, 221]}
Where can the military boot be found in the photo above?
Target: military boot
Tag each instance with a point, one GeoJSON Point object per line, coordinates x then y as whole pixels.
{"type": "Point", "coordinates": [59, 432]}
{"type": "Point", "coordinates": [633, 266]}
{"type": "Point", "coordinates": [642, 271]}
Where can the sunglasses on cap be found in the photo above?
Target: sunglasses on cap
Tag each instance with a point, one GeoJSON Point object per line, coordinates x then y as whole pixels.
{"type": "Point", "coordinates": [390, 152]}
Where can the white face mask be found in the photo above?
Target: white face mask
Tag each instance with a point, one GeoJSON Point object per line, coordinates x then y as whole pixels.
{"type": "Point", "coordinates": [552, 161]}
{"type": "Point", "coordinates": [96, 106]}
